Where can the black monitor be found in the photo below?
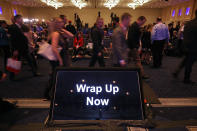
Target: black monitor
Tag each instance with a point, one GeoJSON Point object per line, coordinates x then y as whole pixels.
{"type": "Point", "coordinates": [97, 94]}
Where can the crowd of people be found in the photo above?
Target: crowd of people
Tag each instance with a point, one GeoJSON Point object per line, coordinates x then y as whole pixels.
{"type": "Point", "coordinates": [129, 43]}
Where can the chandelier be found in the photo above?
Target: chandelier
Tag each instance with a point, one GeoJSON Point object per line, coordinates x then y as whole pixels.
{"type": "Point", "coordinates": [79, 3]}
{"type": "Point", "coordinates": [53, 3]}
{"type": "Point", "coordinates": [111, 3]}
{"type": "Point", "coordinates": [133, 5]}
{"type": "Point", "coordinates": [137, 3]}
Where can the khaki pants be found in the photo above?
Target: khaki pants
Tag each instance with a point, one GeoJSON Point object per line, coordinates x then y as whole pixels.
{"type": "Point", "coordinates": [136, 58]}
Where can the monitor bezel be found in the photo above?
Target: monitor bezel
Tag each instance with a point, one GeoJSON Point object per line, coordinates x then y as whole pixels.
{"type": "Point", "coordinates": [51, 122]}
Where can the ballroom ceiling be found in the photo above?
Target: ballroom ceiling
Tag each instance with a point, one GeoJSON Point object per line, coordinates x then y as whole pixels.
{"type": "Point", "coordinates": [98, 3]}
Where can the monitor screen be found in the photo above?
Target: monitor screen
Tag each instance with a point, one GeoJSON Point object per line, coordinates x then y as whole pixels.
{"type": "Point", "coordinates": [97, 95]}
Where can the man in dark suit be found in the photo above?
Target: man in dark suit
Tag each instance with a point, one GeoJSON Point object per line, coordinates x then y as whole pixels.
{"type": "Point", "coordinates": [97, 38]}
{"type": "Point", "coordinates": [190, 40]}
{"type": "Point", "coordinates": [134, 43]}
{"type": "Point", "coordinates": [119, 43]}
{"type": "Point", "coordinates": [4, 42]}
{"type": "Point", "coordinates": [19, 43]}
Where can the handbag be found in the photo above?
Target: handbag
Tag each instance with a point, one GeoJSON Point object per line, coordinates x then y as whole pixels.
{"type": "Point", "coordinates": [13, 65]}
{"type": "Point", "coordinates": [46, 51]}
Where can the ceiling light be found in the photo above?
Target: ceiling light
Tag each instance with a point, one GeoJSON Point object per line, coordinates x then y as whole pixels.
{"type": "Point", "coordinates": [137, 3]}
{"type": "Point", "coordinates": [132, 5]}
{"type": "Point", "coordinates": [141, 2]}
{"type": "Point", "coordinates": [53, 3]}
{"type": "Point", "coordinates": [25, 20]}
{"type": "Point", "coordinates": [79, 3]}
{"type": "Point", "coordinates": [111, 3]}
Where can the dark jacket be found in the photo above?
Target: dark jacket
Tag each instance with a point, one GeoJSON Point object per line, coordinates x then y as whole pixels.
{"type": "Point", "coordinates": [120, 47]}
{"type": "Point", "coordinates": [4, 41]}
{"type": "Point", "coordinates": [146, 40]}
{"type": "Point", "coordinates": [190, 36]}
{"type": "Point", "coordinates": [97, 37]}
{"type": "Point", "coordinates": [134, 35]}
{"type": "Point", "coordinates": [71, 29]}
{"type": "Point", "coordinates": [18, 40]}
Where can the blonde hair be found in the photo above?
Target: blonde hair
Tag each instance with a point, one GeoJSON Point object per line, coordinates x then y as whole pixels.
{"type": "Point", "coordinates": [53, 24]}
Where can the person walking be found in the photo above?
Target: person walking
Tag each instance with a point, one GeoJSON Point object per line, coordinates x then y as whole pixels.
{"type": "Point", "coordinates": [97, 38]}
{"type": "Point", "coordinates": [119, 42]}
{"type": "Point", "coordinates": [4, 42]}
{"type": "Point", "coordinates": [190, 40]}
{"type": "Point", "coordinates": [57, 40]}
{"type": "Point", "coordinates": [135, 45]}
{"type": "Point", "coordinates": [19, 43]}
